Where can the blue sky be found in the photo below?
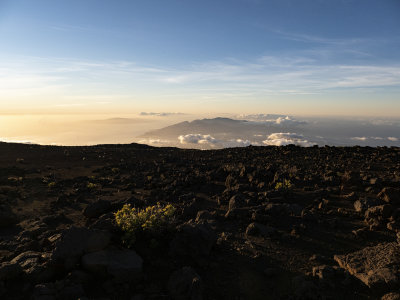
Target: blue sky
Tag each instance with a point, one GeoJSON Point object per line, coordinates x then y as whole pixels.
{"type": "Point", "coordinates": [277, 56]}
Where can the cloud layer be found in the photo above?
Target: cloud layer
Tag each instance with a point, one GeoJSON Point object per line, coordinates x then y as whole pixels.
{"type": "Point", "coordinates": [208, 140]}
{"type": "Point", "coordinates": [374, 138]}
{"type": "Point", "coordinates": [196, 138]}
{"type": "Point", "coordinates": [271, 119]}
{"type": "Point", "coordinates": [282, 139]}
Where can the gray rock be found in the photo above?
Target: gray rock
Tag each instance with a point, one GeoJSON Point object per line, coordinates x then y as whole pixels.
{"type": "Point", "coordinates": [74, 291]}
{"type": "Point", "coordinates": [204, 215]}
{"type": "Point", "coordinates": [237, 201]}
{"type": "Point", "coordinates": [271, 272]}
{"type": "Point", "coordinates": [193, 240]}
{"type": "Point", "coordinates": [104, 222]}
{"type": "Point", "coordinates": [9, 270]}
{"type": "Point", "coordinates": [33, 230]}
{"type": "Point", "coordinates": [44, 291]}
{"type": "Point", "coordinates": [238, 213]}
{"type": "Point", "coordinates": [75, 242]}
{"type": "Point", "coordinates": [377, 267]}
{"type": "Point", "coordinates": [308, 215]}
{"type": "Point", "coordinates": [303, 288]}
{"type": "Point", "coordinates": [260, 229]}
{"type": "Point", "coordinates": [362, 204]}
{"type": "Point", "coordinates": [379, 212]}
{"type": "Point", "coordinates": [122, 265]}
{"type": "Point", "coordinates": [324, 272]}
{"type": "Point", "coordinates": [7, 217]}
{"type": "Point", "coordinates": [79, 276]}
{"type": "Point", "coordinates": [35, 265]}
{"type": "Point", "coordinates": [78, 240]}
{"type": "Point", "coordinates": [390, 195]}
{"type": "Point", "coordinates": [185, 284]}
{"type": "Point", "coordinates": [323, 204]}
{"type": "Point", "coordinates": [97, 208]}
{"type": "Point", "coordinates": [276, 209]}
{"type": "Point", "coordinates": [295, 209]}
{"type": "Point", "coordinates": [351, 196]}
{"type": "Point", "coordinates": [391, 296]}
{"type": "Point", "coordinates": [361, 233]}
{"type": "Point", "coordinates": [230, 182]}
{"type": "Point", "coordinates": [393, 226]}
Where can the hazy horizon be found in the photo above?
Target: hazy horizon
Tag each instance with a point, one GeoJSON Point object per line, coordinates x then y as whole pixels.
{"type": "Point", "coordinates": [199, 131]}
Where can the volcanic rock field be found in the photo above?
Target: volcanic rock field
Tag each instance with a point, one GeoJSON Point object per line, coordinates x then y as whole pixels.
{"type": "Point", "coordinates": [250, 223]}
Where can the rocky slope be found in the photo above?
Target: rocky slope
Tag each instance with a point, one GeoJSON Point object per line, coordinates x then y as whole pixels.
{"type": "Point", "coordinates": [330, 234]}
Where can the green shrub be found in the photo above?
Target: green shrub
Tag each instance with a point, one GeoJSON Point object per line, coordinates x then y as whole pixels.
{"type": "Point", "coordinates": [91, 185]}
{"type": "Point", "coordinates": [284, 185]}
{"type": "Point", "coordinates": [152, 220]}
{"type": "Point", "coordinates": [51, 184]}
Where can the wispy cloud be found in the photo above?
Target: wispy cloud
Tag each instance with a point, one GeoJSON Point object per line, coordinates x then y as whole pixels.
{"type": "Point", "coordinates": [160, 114]}
{"type": "Point", "coordinates": [301, 37]}
{"type": "Point", "coordinates": [74, 81]}
{"type": "Point", "coordinates": [69, 105]}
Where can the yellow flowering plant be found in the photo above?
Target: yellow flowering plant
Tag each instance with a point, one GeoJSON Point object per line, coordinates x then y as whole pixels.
{"type": "Point", "coordinates": [151, 220]}
{"type": "Point", "coordinates": [284, 185]}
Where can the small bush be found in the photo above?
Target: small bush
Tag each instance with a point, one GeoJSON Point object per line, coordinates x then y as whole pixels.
{"type": "Point", "coordinates": [51, 184]}
{"type": "Point", "coordinates": [284, 185]}
{"type": "Point", "coordinates": [91, 185]}
{"type": "Point", "coordinates": [152, 220]}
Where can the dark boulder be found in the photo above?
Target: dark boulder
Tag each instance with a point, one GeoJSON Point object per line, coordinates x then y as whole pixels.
{"type": "Point", "coordinates": [257, 229]}
{"type": "Point", "coordinates": [9, 270]}
{"type": "Point", "coordinates": [376, 215]}
{"type": "Point", "coordinates": [75, 242]}
{"type": "Point", "coordinates": [362, 204]}
{"type": "Point", "coordinates": [35, 265]}
{"type": "Point", "coordinates": [7, 217]}
{"type": "Point", "coordinates": [391, 296]}
{"type": "Point", "coordinates": [185, 284]}
{"type": "Point", "coordinates": [194, 240]}
{"type": "Point", "coordinates": [237, 201]}
{"type": "Point", "coordinates": [121, 265]}
{"type": "Point", "coordinates": [377, 267]}
{"type": "Point", "coordinates": [390, 195]}
{"type": "Point", "coordinates": [97, 208]}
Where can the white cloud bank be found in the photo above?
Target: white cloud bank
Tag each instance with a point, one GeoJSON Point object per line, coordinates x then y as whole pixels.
{"type": "Point", "coordinates": [196, 138]}
{"type": "Point", "coordinates": [207, 139]}
{"type": "Point", "coordinates": [277, 120]}
{"type": "Point", "coordinates": [359, 138]}
{"type": "Point", "coordinates": [282, 139]}
{"type": "Point", "coordinates": [376, 138]}
{"type": "Point", "coordinates": [155, 142]}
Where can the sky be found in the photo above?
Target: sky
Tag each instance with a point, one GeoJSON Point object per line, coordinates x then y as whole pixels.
{"type": "Point", "coordinates": [299, 57]}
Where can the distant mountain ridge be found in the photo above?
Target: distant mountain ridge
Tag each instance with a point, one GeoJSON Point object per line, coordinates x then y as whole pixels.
{"type": "Point", "coordinates": [217, 126]}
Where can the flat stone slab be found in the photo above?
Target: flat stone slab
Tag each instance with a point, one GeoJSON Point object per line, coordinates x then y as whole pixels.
{"type": "Point", "coordinates": [378, 267]}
